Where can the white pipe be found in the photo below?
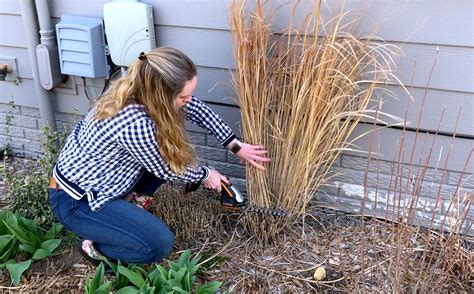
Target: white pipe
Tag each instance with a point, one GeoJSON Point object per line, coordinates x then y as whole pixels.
{"type": "Point", "coordinates": [47, 52]}
{"type": "Point", "coordinates": [28, 15]}
{"type": "Point", "coordinates": [44, 19]}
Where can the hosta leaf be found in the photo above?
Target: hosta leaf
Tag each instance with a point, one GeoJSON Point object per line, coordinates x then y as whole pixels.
{"type": "Point", "coordinates": [10, 251]}
{"type": "Point", "coordinates": [5, 242]}
{"type": "Point", "coordinates": [98, 276]}
{"type": "Point", "coordinates": [53, 231]}
{"type": "Point", "coordinates": [51, 245]}
{"type": "Point", "coordinates": [173, 265]}
{"type": "Point", "coordinates": [209, 288]}
{"type": "Point", "coordinates": [41, 253]}
{"type": "Point", "coordinates": [133, 277]}
{"type": "Point", "coordinates": [128, 290]}
{"type": "Point", "coordinates": [180, 274]}
{"type": "Point", "coordinates": [194, 269]}
{"type": "Point", "coordinates": [179, 290]}
{"type": "Point", "coordinates": [16, 270]}
{"type": "Point", "coordinates": [27, 248]}
{"type": "Point", "coordinates": [184, 258]}
{"type": "Point", "coordinates": [17, 232]}
{"type": "Point", "coordinates": [104, 288]}
{"type": "Point", "coordinates": [29, 225]}
{"type": "Point", "coordinates": [188, 282]}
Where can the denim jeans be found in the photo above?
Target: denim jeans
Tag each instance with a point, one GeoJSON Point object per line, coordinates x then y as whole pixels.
{"type": "Point", "coordinates": [120, 230]}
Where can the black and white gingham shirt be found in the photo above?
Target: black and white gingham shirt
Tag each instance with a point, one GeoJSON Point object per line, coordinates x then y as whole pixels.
{"type": "Point", "coordinates": [104, 159]}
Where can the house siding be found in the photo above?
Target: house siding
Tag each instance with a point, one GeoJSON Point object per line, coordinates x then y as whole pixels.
{"type": "Point", "coordinates": [200, 28]}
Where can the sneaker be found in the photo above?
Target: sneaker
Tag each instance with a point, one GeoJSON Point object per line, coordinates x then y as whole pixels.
{"type": "Point", "coordinates": [86, 249]}
{"type": "Point", "coordinates": [89, 250]}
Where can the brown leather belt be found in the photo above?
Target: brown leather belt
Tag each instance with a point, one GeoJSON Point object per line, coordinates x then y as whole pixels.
{"type": "Point", "coordinates": [53, 184]}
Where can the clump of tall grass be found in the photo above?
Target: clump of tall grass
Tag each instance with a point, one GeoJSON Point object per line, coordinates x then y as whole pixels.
{"type": "Point", "coordinates": [301, 94]}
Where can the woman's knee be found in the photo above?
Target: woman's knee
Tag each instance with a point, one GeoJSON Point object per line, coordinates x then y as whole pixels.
{"type": "Point", "coordinates": [159, 246]}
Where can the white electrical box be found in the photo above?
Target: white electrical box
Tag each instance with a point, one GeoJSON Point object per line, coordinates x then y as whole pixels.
{"type": "Point", "coordinates": [129, 29]}
{"type": "Point", "coordinates": [81, 45]}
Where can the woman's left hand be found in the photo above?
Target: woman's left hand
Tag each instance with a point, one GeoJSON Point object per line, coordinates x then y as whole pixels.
{"type": "Point", "coordinates": [253, 154]}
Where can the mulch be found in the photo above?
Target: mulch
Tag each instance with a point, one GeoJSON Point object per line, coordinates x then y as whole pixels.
{"type": "Point", "coordinates": [326, 238]}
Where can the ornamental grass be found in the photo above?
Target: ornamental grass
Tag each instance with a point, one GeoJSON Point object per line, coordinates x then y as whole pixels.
{"type": "Point", "coordinates": [301, 92]}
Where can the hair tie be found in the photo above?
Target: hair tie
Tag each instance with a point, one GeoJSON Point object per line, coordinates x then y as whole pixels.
{"type": "Point", "coordinates": [142, 56]}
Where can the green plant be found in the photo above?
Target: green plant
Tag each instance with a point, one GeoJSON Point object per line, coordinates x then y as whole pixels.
{"type": "Point", "coordinates": [30, 191]}
{"type": "Point", "coordinates": [8, 242]}
{"type": "Point", "coordinates": [97, 285]}
{"type": "Point", "coordinates": [31, 238]}
{"type": "Point", "coordinates": [180, 277]}
{"type": "Point", "coordinates": [22, 235]}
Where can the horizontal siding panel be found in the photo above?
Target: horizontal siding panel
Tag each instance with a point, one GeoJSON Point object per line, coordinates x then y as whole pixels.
{"type": "Point", "coordinates": [10, 7]}
{"type": "Point", "coordinates": [24, 94]}
{"type": "Point", "coordinates": [398, 21]}
{"type": "Point", "coordinates": [435, 102]}
{"type": "Point", "coordinates": [211, 14]}
{"type": "Point", "coordinates": [22, 60]}
{"type": "Point", "coordinates": [209, 48]}
{"type": "Point", "coordinates": [214, 85]}
{"type": "Point", "coordinates": [454, 68]}
{"type": "Point", "coordinates": [389, 147]}
{"type": "Point", "coordinates": [11, 31]}
{"type": "Point", "coordinates": [414, 21]}
{"type": "Point", "coordinates": [70, 103]}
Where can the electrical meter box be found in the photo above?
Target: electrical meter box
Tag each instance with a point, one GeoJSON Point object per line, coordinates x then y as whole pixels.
{"type": "Point", "coordinates": [82, 48]}
{"type": "Point", "coordinates": [129, 28]}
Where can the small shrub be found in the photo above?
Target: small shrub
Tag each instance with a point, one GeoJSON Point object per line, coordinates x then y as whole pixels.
{"type": "Point", "coordinates": [29, 192]}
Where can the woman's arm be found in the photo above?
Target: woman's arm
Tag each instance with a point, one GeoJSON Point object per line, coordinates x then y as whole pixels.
{"type": "Point", "coordinates": [202, 115]}
{"type": "Point", "coordinates": [140, 141]}
{"type": "Point", "coordinates": [199, 113]}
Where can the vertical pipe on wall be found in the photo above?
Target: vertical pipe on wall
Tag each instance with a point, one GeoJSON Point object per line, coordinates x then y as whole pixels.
{"type": "Point", "coordinates": [29, 18]}
{"type": "Point", "coordinates": [47, 52]}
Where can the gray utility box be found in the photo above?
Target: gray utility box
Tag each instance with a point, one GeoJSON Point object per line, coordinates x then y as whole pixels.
{"type": "Point", "coordinates": [82, 48]}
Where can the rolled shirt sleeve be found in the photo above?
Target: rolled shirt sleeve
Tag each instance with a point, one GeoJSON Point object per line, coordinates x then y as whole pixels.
{"type": "Point", "coordinates": [199, 113]}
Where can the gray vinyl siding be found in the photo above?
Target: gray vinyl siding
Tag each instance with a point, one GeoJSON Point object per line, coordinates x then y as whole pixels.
{"type": "Point", "coordinates": [424, 29]}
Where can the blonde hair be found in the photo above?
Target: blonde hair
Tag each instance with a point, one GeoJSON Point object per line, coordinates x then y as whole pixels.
{"type": "Point", "coordinates": [155, 80]}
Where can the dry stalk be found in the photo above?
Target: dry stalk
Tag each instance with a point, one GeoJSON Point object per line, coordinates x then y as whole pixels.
{"type": "Point", "coordinates": [419, 259]}
{"type": "Point", "coordinates": [189, 215]}
{"type": "Point", "coordinates": [301, 96]}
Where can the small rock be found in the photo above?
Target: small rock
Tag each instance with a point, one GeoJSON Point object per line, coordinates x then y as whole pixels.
{"type": "Point", "coordinates": [356, 268]}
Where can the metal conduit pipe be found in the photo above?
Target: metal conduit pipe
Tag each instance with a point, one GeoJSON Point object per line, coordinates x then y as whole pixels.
{"type": "Point", "coordinates": [47, 52]}
{"type": "Point", "coordinates": [45, 103]}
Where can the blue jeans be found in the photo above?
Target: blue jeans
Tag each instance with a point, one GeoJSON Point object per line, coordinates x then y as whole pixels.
{"type": "Point", "coordinates": [120, 230]}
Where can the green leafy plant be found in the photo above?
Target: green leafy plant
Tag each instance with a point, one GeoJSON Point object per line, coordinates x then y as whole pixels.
{"type": "Point", "coordinates": [16, 269]}
{"type": "Point", "coordinates": [30, 192]}
{"type": "Point", "coordinates": [31, 237]}
{"type": "Point", "coordinates": [8, 242]}
{"type": "Point", "coordinates": [97, 285]}
{"type": "Point", "coordinates": [180, 277]}
{"type": "Point", "coordinates": [22, 235]}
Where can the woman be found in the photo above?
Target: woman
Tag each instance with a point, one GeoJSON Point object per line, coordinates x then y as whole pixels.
{"type": "Point", "coordinates": [134, 139]}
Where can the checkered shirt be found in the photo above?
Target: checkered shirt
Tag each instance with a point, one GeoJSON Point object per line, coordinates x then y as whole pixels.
{"type": "Point", "coordinates": [104, 159]}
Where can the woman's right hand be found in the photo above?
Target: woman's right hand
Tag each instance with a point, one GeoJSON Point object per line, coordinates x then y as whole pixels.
{"type": "Point", "coordinates": [213, 182]}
